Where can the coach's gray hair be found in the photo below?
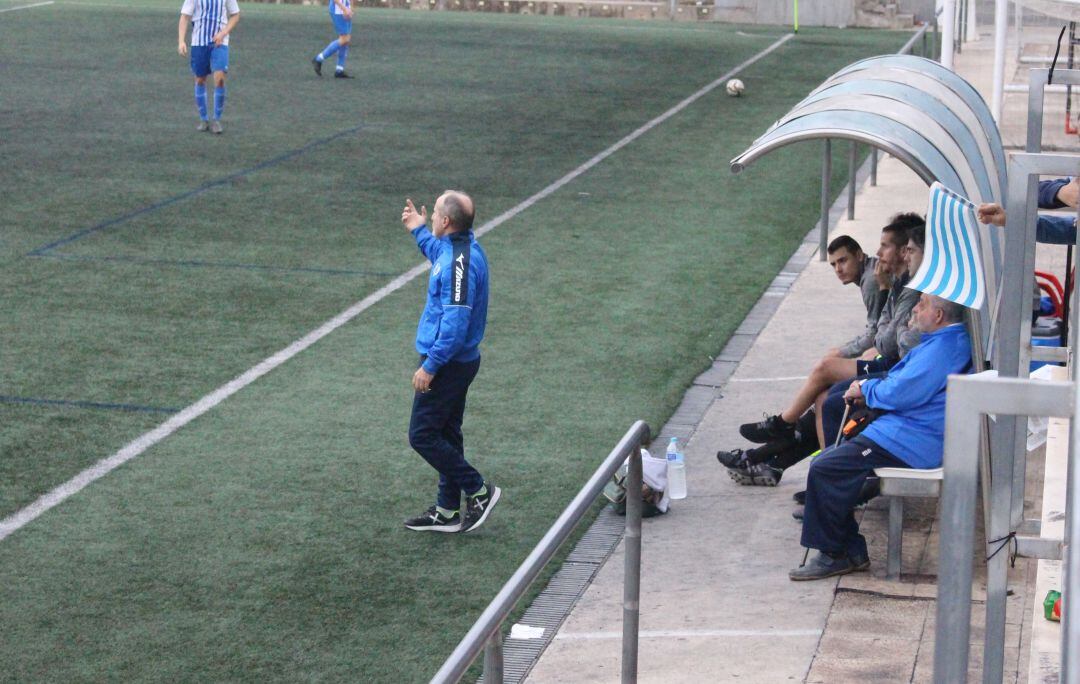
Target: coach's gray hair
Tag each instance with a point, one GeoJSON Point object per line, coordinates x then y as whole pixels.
{"type": "Point", "coordinates": [950, 311]}
{"type": "Point", "coordinates": [459, 208]}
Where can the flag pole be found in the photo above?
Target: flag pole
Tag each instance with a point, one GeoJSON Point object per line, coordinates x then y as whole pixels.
{"type": "Point", "coordinates": [796, 16]}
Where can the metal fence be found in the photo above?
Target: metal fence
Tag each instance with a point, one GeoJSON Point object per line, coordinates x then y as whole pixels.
{"type": "Point", "coordinates": [486, 632]}
{"type": "Point", "coordinates": [1008, 394]}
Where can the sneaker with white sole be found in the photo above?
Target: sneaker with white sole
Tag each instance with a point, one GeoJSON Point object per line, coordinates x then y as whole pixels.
{"type": "Point", "coordinates": [215, 127]}
{"type": "Point", "coordinates": [479, 506]}
{"type": "Point", "coordinates": [203, 126]}
{"type": "Point", "coordinates": [432, 520]}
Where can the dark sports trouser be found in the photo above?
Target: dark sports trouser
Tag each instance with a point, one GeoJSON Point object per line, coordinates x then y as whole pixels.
{"type": "Point", "coordinates": [832, 410]}
{"type": "Point", "coordinates": [435, 431]}
{"type": "Point", "coordinates": [832, 490]}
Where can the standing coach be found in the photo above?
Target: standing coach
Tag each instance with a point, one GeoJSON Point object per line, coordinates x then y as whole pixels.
{"type": "Point", "coordinates": [448, 341]}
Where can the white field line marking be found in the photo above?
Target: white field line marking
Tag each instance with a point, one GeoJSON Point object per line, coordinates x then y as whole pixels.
{"type": "Point", "coordinates": [692, 633]}
{"type": "Point", "coordinates": [103, 467]}
{"type": "Point", "coordinates": [36, 4]}
{"type": "Point", "coordinates": [785, 378]}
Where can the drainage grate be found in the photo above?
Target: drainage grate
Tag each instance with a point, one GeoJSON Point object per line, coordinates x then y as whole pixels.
{"type": "Point", "coordinates": [554, 603]}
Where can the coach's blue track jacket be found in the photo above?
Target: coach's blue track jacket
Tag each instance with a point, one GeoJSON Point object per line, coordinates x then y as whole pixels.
{"type": "Point", "coordinates": [455, 314]}
{"type": "Point", "coordinates": [913, 394]}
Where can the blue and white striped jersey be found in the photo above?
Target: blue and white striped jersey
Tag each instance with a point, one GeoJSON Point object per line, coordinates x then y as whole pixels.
{"type": "Point", "coordinates": [207, 18]}
{"type": "Point", "coordinates": [334, 9]}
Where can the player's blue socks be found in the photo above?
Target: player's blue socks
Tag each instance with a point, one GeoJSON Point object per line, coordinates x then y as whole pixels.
{"type": "Point", "coordinates": [219, 101]}
{"type": "Point", "coordinates": [200, 99]}
{"type": "Point", "coordinates": [342, 55]}
{"type": "Point", "coordinates": [329, 49]}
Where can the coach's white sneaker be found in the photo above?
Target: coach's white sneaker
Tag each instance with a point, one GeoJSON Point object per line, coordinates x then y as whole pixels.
{"type": "Point", "coordinates": [215, 127]}
{"type": "Point", "coordinates": [203, 126]}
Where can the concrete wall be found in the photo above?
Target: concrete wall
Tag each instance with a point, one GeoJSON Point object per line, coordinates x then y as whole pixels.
{"type": "Point", "coordinates": [869, 13]}
{"type": "Point", "coordinates": [811, 12]}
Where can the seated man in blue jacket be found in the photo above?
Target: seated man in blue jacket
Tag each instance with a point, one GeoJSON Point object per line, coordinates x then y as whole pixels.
{"type": "Point", "coordinates": [909, 434]}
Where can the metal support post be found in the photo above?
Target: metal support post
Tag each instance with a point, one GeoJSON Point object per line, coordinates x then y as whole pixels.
{"type": "Point", "coordinates": [968, 398]}
{"type": "Point", "coordinates": [851, 180]}
{"type": "Point", "coordinates": [1070, 551]}
{"type": "Point", "coordinates": [948, 33]}
{"type": "Point", "coordinates": [826, 176]}
{"type": "Point", "coordinates": [997, 568]}
{"type": "Point", "coordinates": [896, 532]}
{"type": "Point", "coordinates": [493, 659]}
{"type": "Point", "coordinates": [961, 26]}
{"type": "Point", "coordinates": [632, 570]}
{"type": "Point", "coordinates": [873, 160]}
{"type": "Point", "coordinates": [1001, 27]}
{"type": "Point", "coordinates": [958, 493]}
{"type": "Point", "coordinates": [934, 54]}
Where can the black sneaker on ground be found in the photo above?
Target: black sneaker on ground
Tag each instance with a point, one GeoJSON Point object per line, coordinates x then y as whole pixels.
{"type": "Point", "coordinates": [798, 512]}
{"type": "Point", "coordinates": [432, 520]}
{"type": "Point", "coordinates": [756, 474]}
{"type": "Point", "coordinates": [341, 74]}
{"type": "Point", "coordinates": [318, 66]}
{"type": "Point", "coordinates": [800, 497]}
{"type": "Point", "coordinates": [772, 427]}
{"type": "Point", "coordinates": [478, 507]}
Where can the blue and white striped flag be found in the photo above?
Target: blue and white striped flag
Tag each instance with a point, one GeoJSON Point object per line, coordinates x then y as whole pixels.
{"type": "Point", "coordinates": [951, 267]}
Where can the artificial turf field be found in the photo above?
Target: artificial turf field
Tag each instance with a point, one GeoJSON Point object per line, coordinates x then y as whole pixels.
{"type": "Point", "coordinates": [145, 265]}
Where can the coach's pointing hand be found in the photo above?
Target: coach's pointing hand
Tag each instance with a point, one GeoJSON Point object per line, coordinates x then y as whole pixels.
{"type": "Point", "coordinates": [412, 218]}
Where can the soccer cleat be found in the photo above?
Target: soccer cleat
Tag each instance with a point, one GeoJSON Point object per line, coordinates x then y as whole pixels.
{"type": "Point", "coordinates": [479, 506]}
{"type": "Point", "coordinates": [800, 497]}
{"type": "Point", "coordinates": [772, 427]}
{"type": "Point", "coordinates": [736, 458]}
{"type": "Point", "coordinates": [756, 474]}
{"type": "Point", "coordinates": [798, 512]}
{"type": "Point", "coordinates": [203, 126]}
{"type": "Point", "coordinates": [341, 74]}
{"type": "Point", "coordinates": [215, 127]}
{"type": "Point", "coordinates": [432, 520]}
{"type": "Point", "coordinates": [318, 66]}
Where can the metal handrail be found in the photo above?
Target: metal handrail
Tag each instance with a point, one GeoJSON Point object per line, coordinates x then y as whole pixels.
{"type": "Point", "coordinates": [486, 630]}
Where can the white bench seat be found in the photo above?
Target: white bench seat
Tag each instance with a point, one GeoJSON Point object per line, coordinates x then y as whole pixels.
{"type": "Point", "coordinates": [897, 483]}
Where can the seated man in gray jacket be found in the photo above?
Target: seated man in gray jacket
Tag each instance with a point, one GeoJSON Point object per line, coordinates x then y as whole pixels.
{"type": "Point", "coordinates": [851, 265]}
{"type": "Point", "coordinates": [892, 340]}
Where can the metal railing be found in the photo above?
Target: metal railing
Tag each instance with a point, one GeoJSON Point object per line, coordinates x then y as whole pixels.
{"type": "Point", "coordinates": [486, 632]}
{"type": "Point", "coordinates": [1008, 395]}
{"type": "Point", "coordinates": [969, 399]}
{"type": "Point", "coordinates": [826, 161]}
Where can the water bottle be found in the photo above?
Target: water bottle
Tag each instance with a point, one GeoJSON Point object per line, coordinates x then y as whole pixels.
{"type": "Point", "coordinates": [676, 471]}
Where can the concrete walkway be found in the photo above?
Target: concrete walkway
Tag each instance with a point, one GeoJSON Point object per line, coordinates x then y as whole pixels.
{"type": "Point", "coordinates": [716, 603]}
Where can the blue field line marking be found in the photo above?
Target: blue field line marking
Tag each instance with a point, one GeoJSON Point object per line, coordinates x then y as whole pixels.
{"type": "Point", "coordinates": [195, 263]}
{"type": "Point", "coordinates": [40, 251]}
{"type": "Point", "coordinates": [7, 399]}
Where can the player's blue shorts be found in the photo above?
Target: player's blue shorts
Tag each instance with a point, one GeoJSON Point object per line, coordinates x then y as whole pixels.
{"type": "Point", "coordinates": [207, 58]}
{"type": "Point", "coordinates": [342, 24]}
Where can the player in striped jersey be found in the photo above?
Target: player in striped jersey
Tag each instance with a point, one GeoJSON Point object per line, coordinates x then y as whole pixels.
{"type": "Point", "coordinates": [212, 21]}
{"type": "Point", "coordinates": [341, 14]}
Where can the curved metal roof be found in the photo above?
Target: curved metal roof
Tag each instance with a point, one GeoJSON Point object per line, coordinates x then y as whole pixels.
{"type": "Point", "coordinates": [916, 110]}
{"type": "Point", "coordinates": [904, 98]}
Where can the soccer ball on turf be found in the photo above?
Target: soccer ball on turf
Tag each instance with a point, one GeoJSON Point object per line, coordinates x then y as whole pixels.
{"type": "Point", "coordinates": [735, 87]}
